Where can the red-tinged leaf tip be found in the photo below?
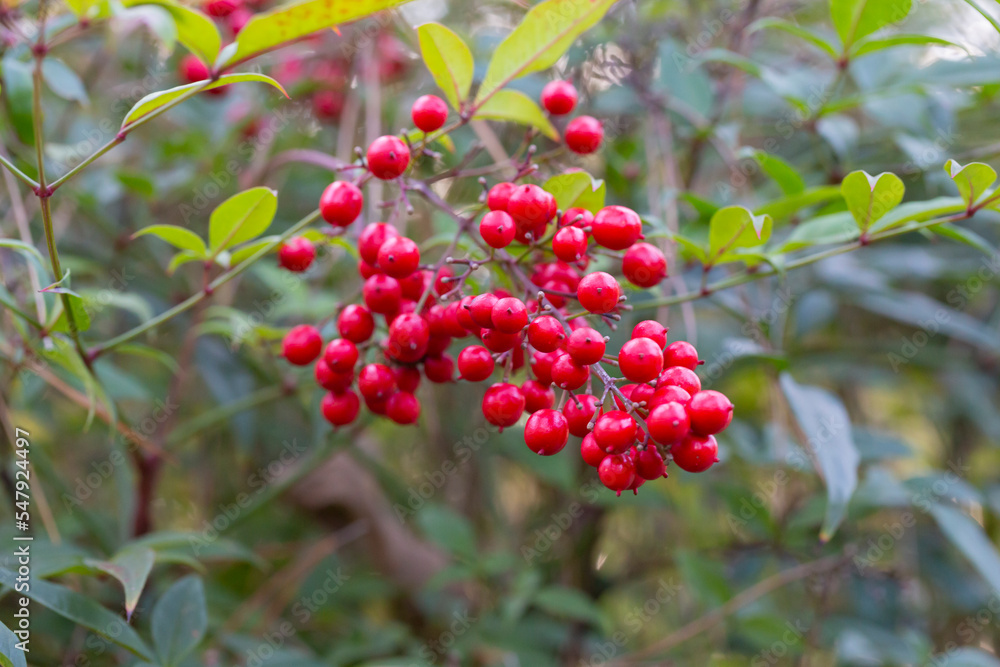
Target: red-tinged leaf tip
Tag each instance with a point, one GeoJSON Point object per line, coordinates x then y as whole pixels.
{"type": "Point", "coordinates": [336, 29]}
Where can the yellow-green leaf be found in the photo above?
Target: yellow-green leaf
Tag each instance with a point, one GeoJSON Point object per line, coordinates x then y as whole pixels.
{"type": "Point", "coordinates": [241, 218]}
{"type": "Point", "coordinates": [515, 106]}
{"type": "Point", "coordinates": [795, 29]}
{"type": "Point", "coordinates": [733, 228]}
{"type": "Point", "coordinates": [544, 35]}
{"type": "Point", "coordinates": [972, 180]}
{"type": "Point", "coordinates": [856, 19]}
{"type": "Point", "coordinates": [576, 189]}
{"type": "Point", "coordinates": [179, 237]}
{"type": "Point", "coordinates": [449, 61]}
{"type": "Point", "coordinates": [154, 102]}
{"type": "Point", "coordinates": [870, 197]}
{"type": "Point", "coordinates": [195, 30]}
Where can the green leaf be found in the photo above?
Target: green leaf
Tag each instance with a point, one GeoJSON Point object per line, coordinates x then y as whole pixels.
{"type": "Point", "coordinates": [972, 180]}
{"type": "Point", "coordinates": [870, 197]}
{"type": "Point", "coordinates": [985, 14]}
{"type": "Point", "coordinates": [693, 247]}
{"type": "Point", "coordinates": [733, 228]}
{"type": "Point", "coordinates": [181, 258]}
{"type": "Point", "coordinates": [131, 566]}
{"type": "Point", "coordinates": [81, 317]}
{"type": "Point", "coordinates": [577, 189]}
{"type": "Point", "coordinates": [153, 102]}
{"type": "Point", "coordinates": [195, 30]}
{"type": "Point", "coordinates": [10, 655]}
{"type": "Point", "coordinates": [543, 36]}
{"type": "Point", "coordinates": [448, 529]}
{"type": "Point", "coordinates": [916, 212]}
{"type": "Point", "coordinates": [179, 620]}
{"type": "Point", "coordinates": [827, 427]}
{"type": "Point", "coordinates": [873, 45]}
{"type": "Point", "coordinates": [241, 218]}
{"type": "Point", "coordinates": [786, 207]}
{"type": "Point", "coordinates": [969, 538]}
{"type": "Point", "coordinates": [179, 237]}
{"type": "Point", "coordinates": [449, 61]}
{"type": "Point", "coordinates": [63, 81]}
{"type": "Point", "coordinates": [569, 603]}
{"type": "Point", "coordinates": [966, 236]}
{"type": "Point", "coordinates": [30, 252]}
{"type": "Point", "coordinates": [816, 40]}
{"type": "Point", "coordinates": [784, 174]}
{"type": "Point", "coordinates": [248, 250]}
{"type": "Point", "coordinates": [856, 19]}
{"type": "Point", "coordinates": [287, 23]}
{"type": "Point", "coordinates": [140, 350]}
{"type": "Point", "coordinates": [835, 228]}
{"type": "Point", "coordinates": [515, 106]}
{"type": "Point", "coordinates": [63, 354]}
{"type": "Point", "coordinates": [17, 92]}
{"type": "Point", "coordinates": [83, 611]}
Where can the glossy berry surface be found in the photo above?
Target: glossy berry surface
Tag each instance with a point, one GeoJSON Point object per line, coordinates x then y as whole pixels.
{"type": "Point", "coordinates": [475, 363]}
{"type": "Point", "coordinates": [710, 412]}
{"type": "Point", "coordinates": [584, 135]}
{"type": "Point", "coordinates": [498, 229]}
{"type": "Point", "coordinates": [388, 157]}
{"type": "Point", "coordinates": [355, 323]}
{"type": "Point", "coordinates": [546, 432]}
{"type": "Point", "coordinates": [586, 346]}
{"type": "Point", "coordinates": [616, 472]}
{"type": "Point", "coordinates": [546, 334]}
{"type": "Point", "coordinates": [681, 353]}
{"type": "Point", "coordinates": [696, 453]}
{"type": "Point", "coordinates": [510, 315]}
{"type": "Point", "coordinates": [341, 355]}
{"type": "Point", "coordinates": [373, 236]}
{"type": "Point", "coordinates": [399, 257]}
{"type": "Point", "coordinates": [616, 227]}
{"type": "Point", "coordinates": [530, 206]}
{"type": "Point", "coordinates": [598, 292]}
{"type": "Point", "coordinates": [429, 112]}
{"type": "Point", "coordinates": [296, 254]}
{"type": "Point", "coordinates": [668, 423]}
{"type": "Point", "coordinates": [615, 431]}
{"type": "Point", "coordinates": [654, 331]}
{"type": "Point", "coordinates": [341, 203]}
{"type": "Point", "coordinates": [340, 408]}
{"type": "Point", "coordinates": [569, 244]}
{"type": "Point", "coordinates": [302, 345]}
{"type": "Point", "coordinates": [644, 265]}
{"type": "Point", "coordinates": [640, 360]}
{"type": "Point", "coordinates": [503, 404]}
{"type": "Point", "coordinates": [559, 97]}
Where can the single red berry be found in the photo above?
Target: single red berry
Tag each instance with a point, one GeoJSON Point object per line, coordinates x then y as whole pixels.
{"type": "Point", "coordinates": [569, 244]}
{"type": "Point", "coordinates": [464, 315]}
{"type": "Point", "coordinates": [481, 309]}
{"type": "Point", "coordinates": [437, 318]}
{"type": "Point", "coordinates": [302, 344]}
{"type": "Point", "coordinates": [644, 265]}
{"type": "Point", "coordinates": [546, 432]}
{"type": "Point", "coordinates": [642, 393]}
{"type": "Point", "coordinates": [559, 97]}
{"type": "Point", "coordinates": [406, 307]}
{"type": "Point", "coordinates": [685, 378]}
{"type": "Point", "coordinates": [503, 404]}
{"type": "Point", "coordinates": [429, 112]}
{"type": "Point", "coordinates": [615, 431]}
{"type": "Point", "coordinates": [640, 360]}
{"type": "Point", "coordinates": [328, 104]}
{"type": "Point", "coordinates": [376, 382]}
{"type": "Point", "coordinates": [382, 294]}
{"type": "Point", "coordinates": [567, 374]}
{"type": "Point", "coordinates": [341, 203]}
{"type": "Point", "coordinates": [586, 346]}
{"type": "Point", "coordinates": [440, 370]}
{"type": "Point", "coordinates": [355, 323]}
{"type": "Point", "coordinates": [616, 472]}
{"type": "Point", "coordinates": [668, 423]}
{"type": "Point", "coordinates": [399, 257]}
{"type": "Point", "coordinates": [414, 285]}
{"type": "Point", "coordinates": [296, 254]}
{"type": "Point", "coordinates": [681, 353]}
{"type": "Point", "coordinates": [598, 292]}
{"type": "Point", "coordinates": [403, 408]}
{"type": "Point", "coordinates": [541, 365]}
{"type": "Point", "coordinates": [584, 134]}
{"type": "Point", "coordinates": [437, 345]}
{"type": "Point", "coordinates": [652, 330]}
{"type": "Point", "coordinates": [475, 363]}
{"type": "Point", "coordinates": [669, 394]}
{"type": "Point", "coordinates": [366, 270]}
{"type": "Point", "coordinates": [529, 235]}
{"type": "Point", "coordinates": [649, 464]}
{"type": "Point", "coordinates": [372, 237]}
{"type": "Point", "coordinates": [341, 355]}
{"type": "Point", "coordinates": [577, 217]}
{"type": "Point", "coordinates": [499, 195]}
{"type": "Point", "coordinates": [193, 69]}
{"type": "Point", "coordinates": [616, 227]}
{"type": "Point", "coordinates": [498, 229]}
{"type": "Point", "coordinates": [341, 408]}
{"type": "Point", "coordinates": [530, 206]}
{"type": "Point", "coordinates": [388, 157]}
{"type": "Point", "coordinates": [376, 406]}
{"type": "Point", "coordinates": [454, 314]}
{"type": "Point", "coordinates": [221, 8]}
{"type": "Point", "coordinates": [579, 415]}
{"type": "Point", "coordinates": [537, 396]}
{"type": "Point", "coordinates": [591, 452]}
{"type": "Point", "coordinates": [710, 412]}
{"type": "Point", "coordinates": [409, 335]}
{"type": "Point", "coordinates": [331, 380]}
{"type": "Point", "coordinates": [407, 378]}
{"type": "Point", "coordinates": [498, 341]}
{"type": "Point", "coordinates": [546, 334]}
{"type": "Point", "coordinates": [510, 315]}
{"type": "Point", "coordinates": [238, 19]}
{"type": "Point", "coordinates": [696, 453]}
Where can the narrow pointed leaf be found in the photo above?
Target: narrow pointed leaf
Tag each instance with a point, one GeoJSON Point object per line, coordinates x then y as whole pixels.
{"type": "Point", "coordinates": [873, 45]}
{"type": "Point", "coordinates": [516, 107]}
{"type": "Point", "coordinates": [154, 101]}
{"type": "Point", "coordinates": [179, 620]}
{"type": "Point", "coordinates": [131, 566]}
{"type": "Point", "coordinates": [179, 237]}
{"type": "Point", "coordinates": [969, 538]}
{"type": "Point", "coordinates": [449, 61]}
{"type": "Point", "coordinates": [816, 40]}
{"type": "Point", "coordinates": [10, 655]}
{"type": "Point", "coordinates": [856, 19]}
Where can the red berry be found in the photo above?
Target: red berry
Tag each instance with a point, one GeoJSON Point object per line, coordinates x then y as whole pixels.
{"type": "Point", "coordinates": [537, 396]}
{"type": "Point", "coordinates": [567, 374]}
{"type": "Point", "coordinates": [481, 309]}
{"type": "Point", "coordinates": [302, 344]}
{"type": "Point", "coordinates": [710, 412]}
{"type": "Point", "coordinates": [409, 335]}
{"type": "Point", "coordinates": [442, 281]}
{"type": "Point", "coordinates": [499, 195]}
{"type": "Point", "coordinates": [377, 406]}
{"type": "Point", "coordinates": [341, 203]}
{"type": "Point", "coordinates": [669, 394]}
{"type": "Point", "coordinates": [355, 323]}
{"type": "Point", "coordinates": [668, 423]}
{"type": "Point", "coordinates": [503, 404]}
{"type": "Point", "coordinates": [579, 416]}
{"type": "Point", "coordinates": [342, 408]}
{"type": "Point", "coordinates": [414, 285]}
{"type": "Point", "coordinates": [437, 345]}
{"type": "Point", "coordinates": [331, 380]}
{"type": "Point", "coordinates": [464, 315]}
{"type": "Point", "coordinates": [376, 382]}
{"type": "Point", "coordinates": [577, 217]}
{"type": "Point", "coordinates": [640, 360]}
{"type": "Point", "coordinates": [399, 257]}
{"type": "Point", "coordinates": [530, 206]}
{"type": "Point", "coordinates": [616, 227]}
{"type": "Point", "coordinates": [296, 254]}
{"type": "Point", "coordinates": [541, 365]}
{"type": "Point", "coordinates": [584, 134]}
{"type": "Point", "coordinates": [615, 431]}
{"type": "Point", "coordinates": [328, 104]}
{"type": "Point", "coordinates": [510, 315]}
{"type": "Point", "coordinates": [372, 237]}
{"type": "Point", "coordinates": [616, 472]}
{"type": "Point", "coordinates": [598, 292]}
{"type": "Point", "coordinates": [429, 112]}
{"type": "Point", "coordinates": [546, 334]}
{"type": "Point", "coordinates": [498, 341]}
{"type": "Point", "coordinates": [681, 353]}
{"type": "Point", "coordinates": [221, 8]}
{"type": "Point", "coordinates": [649, 464]}
{"type": "Point", "coordinates": [685, 378]}
{"type": "Point", "coordinates": [475, 363]}
{"type": "Point", "coordinates": [341, 355]}
{"type": "Point", "coordinates": [498, 229]}
{"type": "Point", "coordinates": [696, 453]}
{"type": "Point", "coordinates": [440, 370]}
{"type": "Point", "coordinates": [546, 432]}
{"type": "Point", "coordinates": [388, 157]}
{"type": "Point", "coordinates": [366, 270]}
{"type": "Point", "coordinates": [559, 97]}
{"type": "Point", "coordinates": [642, 393]}
{"type": "Point", "coordinates": [453, 320]}
{"type": "Point", "coordinates": [407, 378]}
{"type": "Point", "coordinates": [570, 244]}
{"type": "Point", "coordinates": [238, 19]}
{"type": "Point", "coordinates": [403, 408]}
{"type": "Point", "coordinates": [382, 294]}
{"type": "Point", "coordinates": [644, 265]}
{"type": "Point", "coordinates": [652, 330]}
{"type": "Point", "coordinates": [586, 346]}
{"type": "Point", "coordinates": [193, 69]}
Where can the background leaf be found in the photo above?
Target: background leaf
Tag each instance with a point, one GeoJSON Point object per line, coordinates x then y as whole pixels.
{"type": "Point", "coordinates": [449, 61]}
{"type": "Point", "coordinates": [577, 189]}
{"type": "Point", "coordinates": [179, 620]}
{"type": "Point", "coordinates": [242, 217]}
{"type": "Point", "coordinates": [871, 197]}
{"type": "Point", "coordinates": [856, 19]}
{"type": "Point", "coordinates": [131, 566]}
{"type": "Point", "coordinates": [733, 228]}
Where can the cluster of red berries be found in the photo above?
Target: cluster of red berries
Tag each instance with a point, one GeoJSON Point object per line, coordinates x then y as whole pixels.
{"type": "Point", "coordinates": [583, 134]}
